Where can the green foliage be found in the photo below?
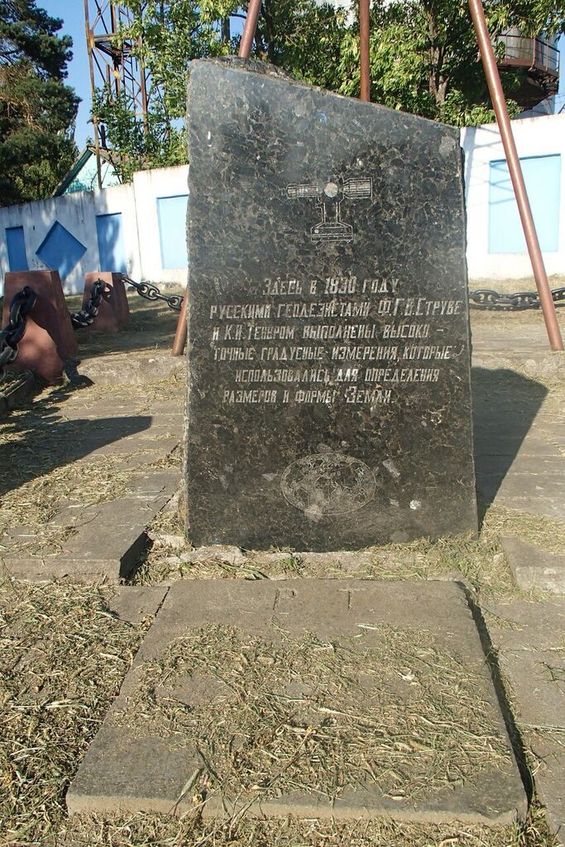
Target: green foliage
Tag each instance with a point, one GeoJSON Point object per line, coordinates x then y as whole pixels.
{"type": "Point", "coordinates": [37, 110]}
{"type": "Point", "coordinates": [423, 54]}
{"type": "Point", "coordinates": [138, 145]}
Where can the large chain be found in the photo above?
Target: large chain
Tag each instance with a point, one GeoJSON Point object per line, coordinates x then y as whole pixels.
{"type": "Point", "coordinates": [86, 316]}
{"type": "Point", "coordinates": [12, 334]}
{"type": "Point", "coordinates": [151, 292]}
{"type": "Point", "coordinates": [485, 298]}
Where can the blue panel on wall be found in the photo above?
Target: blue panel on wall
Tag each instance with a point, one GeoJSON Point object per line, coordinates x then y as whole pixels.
{"type": "Point", "coordinates": [111, 243]}
{"type": "Point", "coordinates": [172, 230]}
{"type": "Point", "coordinates": [15, 239]}
{"type": "Point", "coordinates": [60, 250]}
{"type": "Point", "coordinates": [542, 175]}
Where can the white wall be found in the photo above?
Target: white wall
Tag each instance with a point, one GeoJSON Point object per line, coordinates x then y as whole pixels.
{"type": "Point", "coordinates": [77, 212]}
{"type": "Point", "coordinates": [540, 136]}
{"type": "Point", "coordinates": [148, 186]}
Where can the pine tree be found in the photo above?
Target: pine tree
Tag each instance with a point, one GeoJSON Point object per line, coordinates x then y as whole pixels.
{"type": "Point", "coordinates": [37, 109]}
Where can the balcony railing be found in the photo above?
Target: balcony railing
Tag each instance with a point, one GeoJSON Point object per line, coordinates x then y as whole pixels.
{"type": "Point", "coordinates": [535, 54]}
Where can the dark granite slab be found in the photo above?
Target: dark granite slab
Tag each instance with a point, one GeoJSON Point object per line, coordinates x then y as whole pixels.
{"type": "Point", "coordinates": [329, 400]}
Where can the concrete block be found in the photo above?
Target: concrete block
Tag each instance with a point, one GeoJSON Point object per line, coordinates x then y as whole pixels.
{"type": "Point", "coordinates": [113, 311]}
{"type": "Point", "coordinates": [49, 340]}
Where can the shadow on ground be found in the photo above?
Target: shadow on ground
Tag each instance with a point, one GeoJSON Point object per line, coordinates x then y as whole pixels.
{"type": "Point", "coordinates": [37, 440]}
{"type": "Point", "coordinates": [505, 404]}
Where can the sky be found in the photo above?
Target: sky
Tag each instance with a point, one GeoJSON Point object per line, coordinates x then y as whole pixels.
{"type": "Point", "coordinates": [72, 13]}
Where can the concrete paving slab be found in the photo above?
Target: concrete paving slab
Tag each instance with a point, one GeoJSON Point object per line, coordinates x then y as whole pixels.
{"type": "Point", "coordinates": [530, 639]}
{"type": "Point", "coordinates": [534, 568]}
{"type": "Point", "coordinates": [527, 624]}
{"type": "Point", "coordinates": [536, 686]}
{"type": "Point", "coordinates": [105, 541]}
{"type": "Point", "coordinates": [548, 753]}
{"type": "Point", "coordinates": [136, 603]}
{"type": "Point", "coordinates": [388, 678]}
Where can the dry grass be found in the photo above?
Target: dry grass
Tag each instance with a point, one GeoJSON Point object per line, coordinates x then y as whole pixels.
{"type": "Point", "coordinates": [479, 562]}
{"type": "Point", "coordinates": [49, 469]}
{"type": "Point", "coordinates": [540, 531]}
{"type": "Point", "coordinates": [63, 656]}
{"type": "Point", "coordinates": [159, 831]}
{"type": "Point", "coordinates": [387, 710]}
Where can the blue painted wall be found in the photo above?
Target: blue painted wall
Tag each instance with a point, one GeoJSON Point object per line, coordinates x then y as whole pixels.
{"type": "Point", "coordinates": [109, 231]}
{"type": "Point", "coordinates": [542, 175]}
{"type": "Point", "coordinates": [15, 240]}
{"type": "Point", "coordinates": [171, 212]}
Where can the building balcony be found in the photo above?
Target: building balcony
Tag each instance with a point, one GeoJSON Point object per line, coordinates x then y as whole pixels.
{"type": "Point", "coordinates": [537, 62]}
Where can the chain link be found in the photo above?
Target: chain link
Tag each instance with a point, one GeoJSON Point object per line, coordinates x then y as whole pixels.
{"type": "Point", "coordinates": [485, 298]}
{"type": "Point", "coordinates": [12, 334]}
{"type": "Point", "coordinates": [87, 316]}
{"type": "Point", "coordinates": [151, 292]}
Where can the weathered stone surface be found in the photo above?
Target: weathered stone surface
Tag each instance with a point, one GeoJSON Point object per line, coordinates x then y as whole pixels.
{"type": "Point", "coordinates": [138, 370]}
{"type": "Point", "coordinates": [527, 624]}
{"type": "Point", "coordinates": [329, 403]}
{"type": "Point", "coordinates": [535, 568]}
{"type": "Point", "coordinates": [530, 638]}
{"type": "Point", "coordinates": [548, 751]}
{"type": "Point", "coordinates": [135, 603]}
{"type": "Point", "coordinates": [520, 462]}
{"type": "Point", "coordinates": [135, 765]}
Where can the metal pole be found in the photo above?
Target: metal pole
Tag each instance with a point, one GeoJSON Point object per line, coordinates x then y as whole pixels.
{"type": "Point", "coordinates": [89, 48]}
{"type": "Point", "coordinates": [249, 29]}
{"type": "Point", "coordinates": [180, 334]}
{"type": "Point", "coordinates": [516, 175]}
{"type": "Point", "coordinates": [365, 93]}
{"type": "Point", "coordinates": [244, 53]}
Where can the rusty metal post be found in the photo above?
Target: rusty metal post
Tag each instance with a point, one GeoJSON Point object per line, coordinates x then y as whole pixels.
{"type": "Point", "coordinates": [516, 175]}
{"type": "Point", "coordinates": [244, 53]}
{"type": "Point", "coordinates": [365, 89]}
{"type": "Point", "coordinates": [249, 29]}
{"type": "Point", "coordinates": [180, 335]}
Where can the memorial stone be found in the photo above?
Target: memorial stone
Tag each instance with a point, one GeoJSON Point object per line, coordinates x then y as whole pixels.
{"type": "Point", "coordinates": [328, 338]}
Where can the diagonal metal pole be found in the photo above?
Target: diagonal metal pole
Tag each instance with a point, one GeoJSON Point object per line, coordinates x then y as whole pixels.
{"type": "Point", "coordinates": [365, 92]}
{"type": "Point", "coordinates": [516, 175]}
{"type": "Point", "coordinates": [245, 46]}
{"type": "Point", "coordinates": [249, 29]}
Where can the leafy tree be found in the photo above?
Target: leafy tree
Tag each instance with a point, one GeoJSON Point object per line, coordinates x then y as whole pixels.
{"type": "Point", "coordinates": [37, 110]}
{"type": "Point", "coordinates": [423, 53]}
{"type": "Point", "coordinates": [425, 59]}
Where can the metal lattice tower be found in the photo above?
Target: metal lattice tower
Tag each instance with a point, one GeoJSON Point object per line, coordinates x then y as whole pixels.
{"type": "Point", "coordinates": [113, 64]}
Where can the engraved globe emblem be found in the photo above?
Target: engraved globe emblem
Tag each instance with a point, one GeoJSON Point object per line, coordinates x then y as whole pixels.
{"type": "Point", "coordinates": [328, 484]}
